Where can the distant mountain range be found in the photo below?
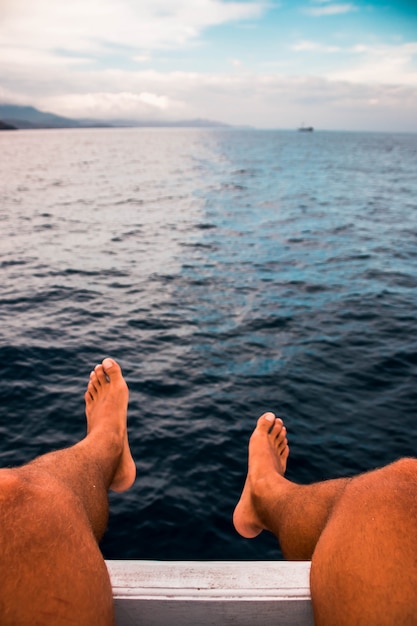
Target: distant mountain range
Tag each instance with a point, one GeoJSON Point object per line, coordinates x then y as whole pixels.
{"type": "Point", "coordinates": [16, 116]}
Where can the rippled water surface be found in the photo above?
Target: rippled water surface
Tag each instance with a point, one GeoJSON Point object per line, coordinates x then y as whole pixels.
{"type": "Point", "coordinates": [229, 272]}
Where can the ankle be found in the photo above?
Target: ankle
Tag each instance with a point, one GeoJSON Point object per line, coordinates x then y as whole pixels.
{"type": "Point", "coordinates": [110, 444]}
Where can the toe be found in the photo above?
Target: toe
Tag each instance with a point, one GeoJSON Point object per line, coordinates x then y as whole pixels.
{"type": "Point", "coordinates": [277, 428]}
{"type": "Point", "coordinates": [266, 421]}
{"type": "Point", "coordinates": [93, 383]}
{"type": "Point", "coordinates": [285, 453]}
{"type": "Point", "coordinates": [280, 434]}
{"type": "Point", "coordinates": [92, 389]}
{"type": "Point", "coordinates": [111, 368]}
{"type": "Point", "coordinates": [100, 375]}
{"type": "Point", "coordinates": [282, 445]}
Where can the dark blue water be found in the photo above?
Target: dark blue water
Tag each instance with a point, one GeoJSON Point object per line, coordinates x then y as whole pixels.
{"type": "Point", "coordinates": [230, 272]}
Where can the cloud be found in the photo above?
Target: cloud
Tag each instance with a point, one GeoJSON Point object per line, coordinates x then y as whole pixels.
{"type": "Point", "coordinates": [314, 46]}
{"type": "Point", "coordinates": [331, 9]}
{"type": "Point", "coordinates": [121, 105]}
{"type": "Point", "coordinates": [24, 57]}
{"type": "Point", "coordinates": [91, 26]}
{"type": "Point", "coordinates": [381, 64]}
{"type": "Point", "coordinates": [364, 63]}
{"type": "Point", "coordinates": [88, 58]}
{"type": "Point", "coordinates": [142, 58]}
{"type": "Point", "coordinates": [265, 101]}
{"type": "Point", "coordinates": [375, 81]}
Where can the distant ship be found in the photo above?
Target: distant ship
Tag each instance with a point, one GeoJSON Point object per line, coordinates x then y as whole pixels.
{"type": "Point", "coordinates": [308, 129]}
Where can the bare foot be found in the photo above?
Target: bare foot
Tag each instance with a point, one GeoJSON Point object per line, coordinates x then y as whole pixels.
{"type": "Point", "coordinates": [268, 454]}
{"type": "Point", "coordinates": [106, 401]}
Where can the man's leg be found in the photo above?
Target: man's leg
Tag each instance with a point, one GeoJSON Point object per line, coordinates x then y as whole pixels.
{"type": "Point", "coordinates": [54, 510]}
{"type": "Point", "coordinates": [364, 568]}
{"type": "Point", "coordinates": [360, 533]}
{"type": "Point", "coordinates": [295, 514]}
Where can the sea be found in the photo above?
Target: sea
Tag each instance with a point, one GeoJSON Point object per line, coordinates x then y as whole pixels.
{"type": "Point", "coordinates": [230, 272]}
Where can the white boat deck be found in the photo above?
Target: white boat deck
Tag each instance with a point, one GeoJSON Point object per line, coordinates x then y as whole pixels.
{"type": "Point", "coordinates": [221, 593]}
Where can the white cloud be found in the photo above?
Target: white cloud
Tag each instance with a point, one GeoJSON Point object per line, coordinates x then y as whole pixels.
{"type": "Point", "coordinates": [88, 26]}
{"type": "Point", "coordinates": [364, 63]}
{"type": "Point", "coordinates": [121, 105]}
{"type": "Point", "coordinates": [159, 102]}
{"type": "Point", "coordinates": [266, 100]}
{"type": "Point", "coordinates": [24, 57]}
{"type": "Point", "coordinates": [381, 64]}
{"type": "Point", "coordinates": [331, 9]}
{"type": "Point", "coordinates": [314, 46]}
{"type": "Point", "coordinates": [142, 58]}
{"type": "Point", "coordinates": [377, 82]}
{"type": "Point", "coordinates": [70, 58]}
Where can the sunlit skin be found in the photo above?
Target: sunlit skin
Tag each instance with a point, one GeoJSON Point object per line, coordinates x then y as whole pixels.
{"type": "Point", "coordinates": [360, 533]}
{"type": "Point", "coordinates": [54, 511]}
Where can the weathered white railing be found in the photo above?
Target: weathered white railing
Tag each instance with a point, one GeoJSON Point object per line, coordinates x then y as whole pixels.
{"type": "Point", "coordinates": [201, 593]}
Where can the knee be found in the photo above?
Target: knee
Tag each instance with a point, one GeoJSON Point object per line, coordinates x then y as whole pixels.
{"type": "Point", "coordinates": [405, 468]}
{"type": "Point", "coordinates": [22, 489]}
{"type": "Point", "coordinates": [21, 494]}
{"type": "Point", "coordinates": [21, 481]}
{"type": "Point", "coordinates": [12, 483]}
{"type": "Point", "coordinates": [405, 464]}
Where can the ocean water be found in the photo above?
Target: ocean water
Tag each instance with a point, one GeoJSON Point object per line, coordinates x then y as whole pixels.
{"type": "Point", "coordinates": [230, 272]}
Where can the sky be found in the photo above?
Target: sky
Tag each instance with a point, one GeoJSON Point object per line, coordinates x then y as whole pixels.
{"type": "Point", "coordinates": [335, 65]}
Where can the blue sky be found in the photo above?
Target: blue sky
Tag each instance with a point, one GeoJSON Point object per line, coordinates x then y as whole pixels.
{"type": "Point", "coordinates": [269, 64]}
